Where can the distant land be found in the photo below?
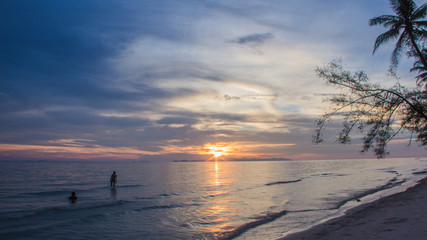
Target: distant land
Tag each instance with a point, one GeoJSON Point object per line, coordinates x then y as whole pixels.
{"type": "Point", "coordinates": [239, 160]}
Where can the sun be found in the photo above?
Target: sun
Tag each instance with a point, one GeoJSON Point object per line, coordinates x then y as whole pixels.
{"type": "Point", "coordinates": [217, 150]}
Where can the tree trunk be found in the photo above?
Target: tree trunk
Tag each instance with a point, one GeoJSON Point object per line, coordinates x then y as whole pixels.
{"type": "Point", "coordinates": [417, 49]}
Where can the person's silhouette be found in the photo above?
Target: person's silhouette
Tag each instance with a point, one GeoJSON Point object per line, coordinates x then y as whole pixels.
{"type": "Point", "coordinates": [113, 179]}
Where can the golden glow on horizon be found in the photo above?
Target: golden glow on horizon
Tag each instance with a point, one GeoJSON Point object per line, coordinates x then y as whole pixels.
{"type": "Point", "coordinates": [217, 150]}
{"type": "Point", "coordinates": [89, 149]}
{"type": "Point", "coordinates": [72, 149]}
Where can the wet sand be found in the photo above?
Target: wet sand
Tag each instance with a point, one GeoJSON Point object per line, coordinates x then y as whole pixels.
{"type": "Point", "coordinates": [399, 216]}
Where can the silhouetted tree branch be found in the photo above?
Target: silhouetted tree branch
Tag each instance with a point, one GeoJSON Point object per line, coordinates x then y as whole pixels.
{"type": "Point", "coordinates": [378, 113]}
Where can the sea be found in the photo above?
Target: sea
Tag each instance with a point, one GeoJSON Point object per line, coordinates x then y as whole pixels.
{"type": "Point", "coordinates": [189, 200]}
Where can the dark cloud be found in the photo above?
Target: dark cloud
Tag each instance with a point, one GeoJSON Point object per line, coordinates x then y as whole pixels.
{"type": "Point", "coordinates": [254, 39]}
{"type": "Point", "coordinates": [178, 70]}
{"type": "Point", "coordinates": [88, 120]}
{"type": "Point", "coordinates": [177, 120]}
{"type": "Point", "coordinates": [55, 52]}
{"type": "Point", "coordinates": [231, 98]}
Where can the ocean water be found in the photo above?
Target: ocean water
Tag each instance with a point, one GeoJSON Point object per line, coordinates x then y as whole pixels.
{"type": "Point", "coordinates": [189, 200]}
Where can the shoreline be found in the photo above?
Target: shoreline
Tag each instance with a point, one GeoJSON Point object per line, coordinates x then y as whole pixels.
{"type": "Point", "coordinates": [397, 216]}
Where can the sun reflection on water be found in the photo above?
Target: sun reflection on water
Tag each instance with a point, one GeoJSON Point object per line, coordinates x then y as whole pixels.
{"type": "Point", "coordinates": [217, 211]}
{"type": "Point", "coordinates": [217, 180]}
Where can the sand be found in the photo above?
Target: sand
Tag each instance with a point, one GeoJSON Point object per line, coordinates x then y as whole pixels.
{"type": "Point", "coordinates": [399, 216]}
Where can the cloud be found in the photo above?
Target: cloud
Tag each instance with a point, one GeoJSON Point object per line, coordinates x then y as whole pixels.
{"type": "Point", "coordinates": [177, 120]}
{"type": "Point", "coordinates": [159, 79]}
{"type": "Point", "coordinates": [254, 39]}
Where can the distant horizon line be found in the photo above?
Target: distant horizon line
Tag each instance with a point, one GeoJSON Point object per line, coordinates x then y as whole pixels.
{"type": "Point", "coordinates": [237, 160]}
{"type": "Point", "coordinates": [197, 160]}
{"type": "Point", "coordinates": [144, 160]}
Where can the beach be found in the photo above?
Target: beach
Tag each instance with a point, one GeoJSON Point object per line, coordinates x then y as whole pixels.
{"type": "Point", "coordinates": [398, 216]}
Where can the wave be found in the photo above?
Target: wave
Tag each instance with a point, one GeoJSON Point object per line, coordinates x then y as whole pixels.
{"type": "Point", "coordinates": [214, 195]}
{"type": "Point", "coordinates": [49, 193]}
{"type": "Point", "coordinates": [388, 170]}
{"type": "Point", "coordinates": [357, 196]}
{"type": "Point", "coordinates": [53, 193]}
{"type": "Point", "coordinates": [329, 175]}
{"type": "Point", "coordinates": [48, 210]}
{"type": "Point", "coordinates": [420, 172]}
{"type": "Point", "coordinates": [129, 186]}
{"type": "Point", "coordinates": [162, 195]}
{"type": "Point", "coordinates": [68, 190]}
{"type": "Point", "coordinates": [166, 195]}
{"type": "Point", "coordinates": [283, 182]}
{"type": "Point", "coordinates": [169, 206]}
{"type": "Point", "coordinates": [63, 183]}
{"type": "Point", "coordinates": [244, 227]}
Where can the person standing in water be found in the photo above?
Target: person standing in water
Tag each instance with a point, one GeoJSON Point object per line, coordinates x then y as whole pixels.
{"type": "Point", "coordinates": [113, 179]}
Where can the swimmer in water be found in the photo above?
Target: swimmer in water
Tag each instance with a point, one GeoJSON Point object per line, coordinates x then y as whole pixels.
{"type": "Point", "coordinates": [73, 197]}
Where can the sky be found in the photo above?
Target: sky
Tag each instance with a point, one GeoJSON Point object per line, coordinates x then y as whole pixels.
{"type": "Point", "coordinates": [163, 80]}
